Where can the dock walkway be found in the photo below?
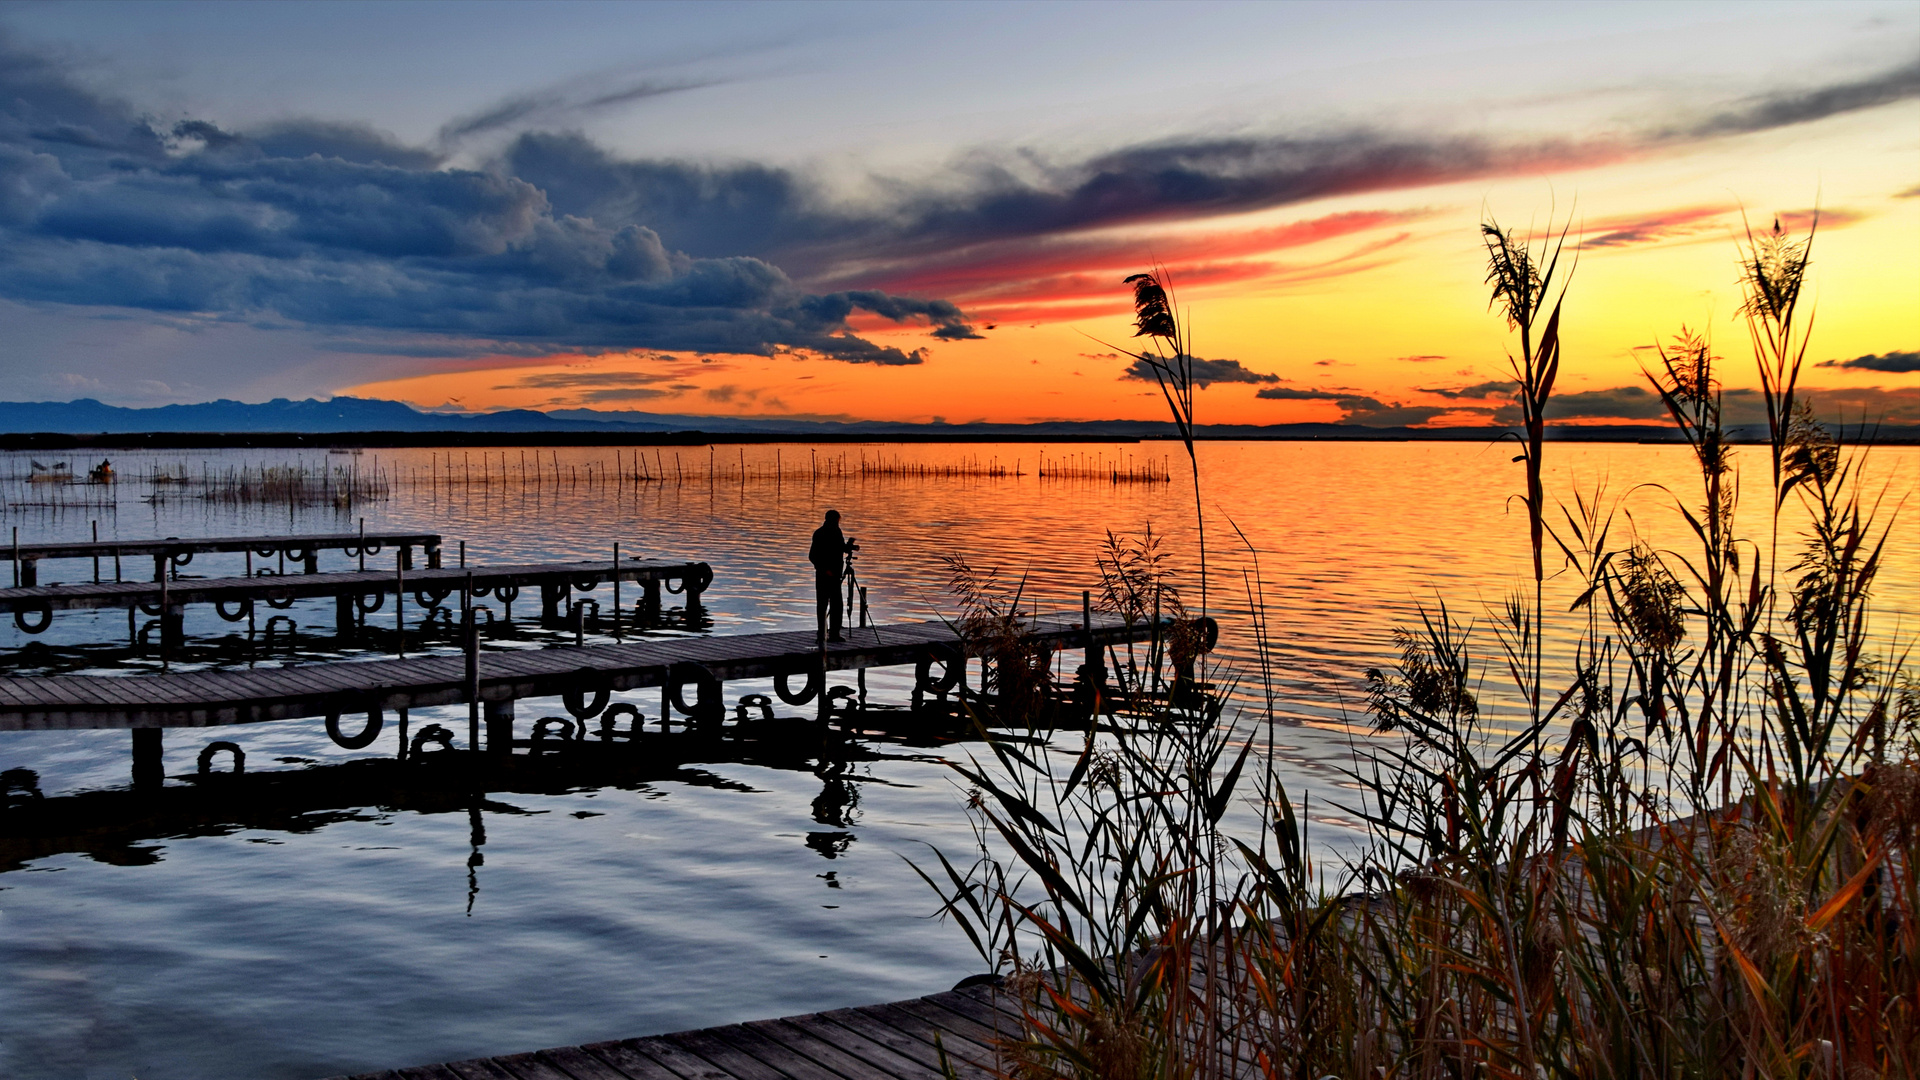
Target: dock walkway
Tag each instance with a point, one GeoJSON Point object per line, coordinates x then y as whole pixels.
{"type": "Point", "coordinates": [303, 549]}
{"type": "Point", "coordinates": [32, 606]}
{"type": "Point", "coordinates": [895, 1041]}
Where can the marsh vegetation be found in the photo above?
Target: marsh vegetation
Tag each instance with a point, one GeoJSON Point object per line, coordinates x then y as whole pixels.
{"type": "Point", "coordinates": [1683, 849]}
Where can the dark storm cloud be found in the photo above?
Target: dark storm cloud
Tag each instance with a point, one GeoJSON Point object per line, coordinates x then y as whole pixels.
{"type": "Point", "coordinates": [559, 105]}
{"type": "Point", "coordinates": [357, 143]}
{"type": "Point", "coordinates": [1361, 409]}
{"type": "Point", "coordinates": [573, 380]}
{"type": "Point", "coordinates": [331, 225]}
{"type": "Point", "coordinates": [1896, 362]}
{"type": "Point", "coordinates": [1782, 108]}
{"type": "Point", "coordinates": [636, 394]}
{"type": "Point", "coordinates": [1739, 406]}
{"type": "Point", "coordinates": [751, 208]}
{"type": "Point", "coordinates": [1476, 392]}
{"type": "Point", "coordinates": [1619, 403]}
{"type": "Point", "coordinates": [701, 209]}
{"type": "Point", "coordinates": [1375, 413]}
{"type": "Point", "coordinates": [760, 209]}
{"type": "Point", "coordinates": [1204, 372]}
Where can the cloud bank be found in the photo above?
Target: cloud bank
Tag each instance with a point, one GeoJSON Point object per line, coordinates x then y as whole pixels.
{"type": "Point", "coordinates": [337, 226]}
{"type": "Point", "coordinates": [556, 244]}
{"type": "Point", "coordinates": [1204, 372]}
{"type": "Point", "coordinates": [1896, 362]}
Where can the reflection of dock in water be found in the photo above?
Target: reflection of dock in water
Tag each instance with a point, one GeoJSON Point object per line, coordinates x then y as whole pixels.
{"type": "Point", "coordinates": [119, 826]}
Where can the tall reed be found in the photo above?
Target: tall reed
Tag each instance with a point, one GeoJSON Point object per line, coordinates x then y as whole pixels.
{"type": "Point", "coordinates": [1521, 278]}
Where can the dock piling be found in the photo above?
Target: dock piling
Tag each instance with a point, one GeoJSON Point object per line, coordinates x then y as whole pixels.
{"type": "Point", "coordinates": [499, 716]}
{"type": "Point", "coordinates": [470, 644]}
{"type": "Point", "coordinates": [148, 770]}
{"type": "Point", "coordinates": [1096, 666]}
{"type": "Point", "coordinates": [399, 605]}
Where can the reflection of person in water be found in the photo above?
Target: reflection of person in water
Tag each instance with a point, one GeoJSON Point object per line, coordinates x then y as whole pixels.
{"type": "Point", "coordinates": [837, 806]}
{"type": "Point", "coordinates": [828, 555]}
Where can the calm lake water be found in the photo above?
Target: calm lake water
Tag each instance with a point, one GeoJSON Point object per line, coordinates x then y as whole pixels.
{"type": "Point", "coordinates": [358, 937]}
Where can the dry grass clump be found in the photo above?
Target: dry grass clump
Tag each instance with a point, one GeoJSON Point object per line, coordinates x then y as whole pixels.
{"type": "Point", "coordinates": [1695, 858]}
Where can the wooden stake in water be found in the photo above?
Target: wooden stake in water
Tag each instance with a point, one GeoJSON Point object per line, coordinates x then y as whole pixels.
{"type": "Point", "coordinates": [1153, 647]}
{"type": "Point", "coordinates": [363, 543]}
{"type": "Point", "coordinates": [96, 554]}
{"type": "Point", "coordinates": [862, 677]}
{"type": "Point", "coordinates": [616, 591]}
{"type": "Point", "coordinates": [165, 611]}
{"type": "Point", "coordinates": [822, 706]}
{"type": "Point", "coordinates": [470, 643]}
{"type": "Point", "coordinates": [399, 603]}
{"type": "Point", "coordinates": [1096, 671]}
{"type": "Point", "coordinates": [250, 607]}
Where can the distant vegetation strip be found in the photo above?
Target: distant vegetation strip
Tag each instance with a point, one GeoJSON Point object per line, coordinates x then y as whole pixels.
{"type": "Point", "coordinates": [348, 422]}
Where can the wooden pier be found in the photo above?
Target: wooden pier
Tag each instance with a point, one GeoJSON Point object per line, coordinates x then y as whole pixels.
{"type": "Point", "coordinates": [584, 677]}
{"type": "Point", "coordinates": [214, 698]}
{"type": "Point", "coordinates": [33, 606]}
{"type": "Point", "coordinates": [174, 552]}
{"type": "Point", "coordinates": [901, 1040]}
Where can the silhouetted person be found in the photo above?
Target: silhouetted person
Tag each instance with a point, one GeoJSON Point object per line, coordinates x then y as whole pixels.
{"type": "Point", "coordinates": [828, 555]}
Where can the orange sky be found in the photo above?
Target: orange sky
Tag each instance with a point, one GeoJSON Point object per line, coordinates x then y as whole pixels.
{"type": "Point", "coordinates": [1374, 296]}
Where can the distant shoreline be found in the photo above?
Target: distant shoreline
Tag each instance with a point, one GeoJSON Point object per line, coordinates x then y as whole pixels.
{"type": "Point", "coordinates": [339, 440]}
{"type": "Point", "coordinates": [349, 422]}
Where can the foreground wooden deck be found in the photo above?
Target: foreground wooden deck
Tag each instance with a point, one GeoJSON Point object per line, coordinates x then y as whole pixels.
{"type": "Point", "coordinates": [211, 698]}
{"type": "Point", "coordinates": [895, 1041]}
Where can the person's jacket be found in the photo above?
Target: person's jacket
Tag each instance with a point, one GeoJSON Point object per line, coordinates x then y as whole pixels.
{"type": "Point", "coordinates": [829, 546]}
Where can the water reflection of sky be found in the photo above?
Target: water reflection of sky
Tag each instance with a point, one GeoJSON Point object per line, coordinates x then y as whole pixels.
{"type": "Point", "coordinates": [729, 890]}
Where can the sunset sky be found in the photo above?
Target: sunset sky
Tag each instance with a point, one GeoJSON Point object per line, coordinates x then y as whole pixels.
{"type": "Point", "coordinates": [911, 212]}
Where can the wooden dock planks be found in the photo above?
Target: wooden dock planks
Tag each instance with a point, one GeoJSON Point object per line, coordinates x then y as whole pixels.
{"type": "Point", "coordinates": [174, 545]}
{"type": "Point", "coordinates": [209, 698]}
{"type": "Point", "coordinates": [900, 1040]}
{"type": "Point", "coordinates": [355, 583]}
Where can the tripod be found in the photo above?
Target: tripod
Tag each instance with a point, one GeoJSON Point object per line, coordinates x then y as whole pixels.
{"type": "Point", "coordinates": [853, 584]}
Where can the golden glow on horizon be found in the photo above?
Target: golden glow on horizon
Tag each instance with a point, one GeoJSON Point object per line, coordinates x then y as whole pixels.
{"type": "Point", "coordinates": [1332, 297]}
